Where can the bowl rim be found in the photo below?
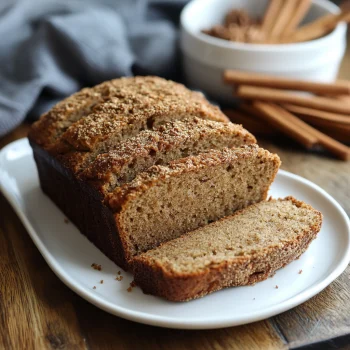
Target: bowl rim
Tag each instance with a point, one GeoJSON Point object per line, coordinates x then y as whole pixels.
{"type": "Point", "coordinates": [225, 44]}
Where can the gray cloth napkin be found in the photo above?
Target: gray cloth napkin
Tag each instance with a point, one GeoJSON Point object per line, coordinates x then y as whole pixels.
{"type": "Point", "coordinates": [51, 48]}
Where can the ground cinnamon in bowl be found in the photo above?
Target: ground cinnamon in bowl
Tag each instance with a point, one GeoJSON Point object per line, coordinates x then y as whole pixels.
{"type": "Point", "coordinates": [238, 26]}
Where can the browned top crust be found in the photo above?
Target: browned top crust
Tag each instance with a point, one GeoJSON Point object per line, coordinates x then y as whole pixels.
{"type": "Point", "coordinates": [162, 138]}
{"type": "Point", "coordinates": [115, 101]}
{"type": "Point", "coordinates": [156, 173]}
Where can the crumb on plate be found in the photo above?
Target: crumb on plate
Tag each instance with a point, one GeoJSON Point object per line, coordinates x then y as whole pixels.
{"type": "Point", "coordinates": [96, 266]}
{"type": "Point", "coordinates": [132, 285]}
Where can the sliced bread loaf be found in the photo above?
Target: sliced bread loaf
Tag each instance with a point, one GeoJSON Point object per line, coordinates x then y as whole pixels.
{"type": "Point", "coordinates": [171, 141]}
{"type": "Point", "coordinates": [241, 249]}
{"type": "Point", "coordinates": [166, 201]}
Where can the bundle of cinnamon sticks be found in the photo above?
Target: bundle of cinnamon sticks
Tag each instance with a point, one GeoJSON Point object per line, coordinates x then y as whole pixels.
{"type": "Point", "coordinates": [282, 18]}
{"type": "Point", "coordinates": [320, 115]}
{"type": "Point", "coordinates": [279, 25]}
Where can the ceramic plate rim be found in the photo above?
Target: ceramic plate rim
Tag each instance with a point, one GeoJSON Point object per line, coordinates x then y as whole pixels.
{"type": "Point", "coordinates": [169, 322]}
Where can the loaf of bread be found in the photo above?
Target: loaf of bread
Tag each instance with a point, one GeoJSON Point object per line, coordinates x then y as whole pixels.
{"type": "Point", "coordinates": [103, 137]}
{"type": "Point", "coordinates": [238, 250]}
{"type": "Point", "coordinates": [137, 163]}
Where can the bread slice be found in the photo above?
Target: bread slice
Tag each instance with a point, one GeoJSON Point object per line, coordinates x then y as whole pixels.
{"type": "Point", "coordinates": [96, 119]}
{"type": "Point", "coordinates": [241, 249]}
{"type": "Point", "coordinates": [177, 139]}
{"type": "Point", "coordinates": [166, 201]}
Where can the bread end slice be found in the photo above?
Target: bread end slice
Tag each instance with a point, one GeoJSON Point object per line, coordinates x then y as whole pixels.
{"type": "Point", "coordinates": [242, 249]}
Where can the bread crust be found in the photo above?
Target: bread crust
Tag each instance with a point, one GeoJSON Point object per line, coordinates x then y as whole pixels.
{"type": "Point", "coordinates": [159, 280]}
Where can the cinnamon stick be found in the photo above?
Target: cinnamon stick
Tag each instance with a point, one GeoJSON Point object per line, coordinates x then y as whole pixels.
{"type": "Point", "coordinates": [275, 95]}
{"type": "Point", "coordinates": [333, 127]}
{"type": "Point", "coordinates": [343, 82]}
{"type": "Point", "coordinates": [270, 15]}
{"type": "Point", "coordinates": [290, 125]}
{"type": "Point", "coordinates": [317, 28]}
{"type": "Point", "coordinates": [340, 136]}
{"type": "Point", "coordinates": [253, 120]}
{"type": "Point", "coordinates": [250, 110]}
{"type": "Point", "coordinates": [345, 98]}
{"type": "Point", "coordinates": [282, 19]}
{"type": "Point", "coordinates": [253, 125]}
{"type": "Point", "coordinates": [336, 127]}
{"type": "Point", "coordinates": [300, 10]}
{"type": "Point", "coordinates": [317, 115]}
{"type": "Point", "coordinates": [284, 120]}
{"type": "Point", "coordinates": [257, 79]}
{"type": "Point", "coordinates": [333, 146]}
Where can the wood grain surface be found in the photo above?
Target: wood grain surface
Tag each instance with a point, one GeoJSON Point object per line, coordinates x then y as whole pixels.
{"type": "Point", "coordinates": [37, 311]}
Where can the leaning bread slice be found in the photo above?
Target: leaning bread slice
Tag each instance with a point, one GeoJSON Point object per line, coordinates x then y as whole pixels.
{"type": "Point", "coordinates": [241, 249]}
{"type": "Point", "coordinates": [166, 201]}
{"type": "Point", "coordinates": [174, 140]}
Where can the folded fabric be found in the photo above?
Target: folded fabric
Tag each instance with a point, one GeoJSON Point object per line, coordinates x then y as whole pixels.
{"type": "Point", "coordinates": [50, 49]}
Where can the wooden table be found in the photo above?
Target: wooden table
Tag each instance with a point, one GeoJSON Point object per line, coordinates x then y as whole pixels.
{"type": "Point", "coordinates": [37, 311]}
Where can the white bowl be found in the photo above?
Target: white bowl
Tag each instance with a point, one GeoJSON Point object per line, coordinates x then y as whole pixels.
{"type": "Point", "coordinates": [205, 57]}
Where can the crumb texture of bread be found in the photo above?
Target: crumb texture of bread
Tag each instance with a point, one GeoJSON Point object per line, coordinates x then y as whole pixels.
{"type": "Point", "coordinates": [241, 249]}
{"type": "Point", "coordinates": [94, 120]}
{"type": "Point", "coordinates": [173, 140]}
{"type": "Point", "coordinates": [165, 202]}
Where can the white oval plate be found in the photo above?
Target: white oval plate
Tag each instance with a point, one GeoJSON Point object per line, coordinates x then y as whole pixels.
{"type": "Point", "coordinates": [70, 255]}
